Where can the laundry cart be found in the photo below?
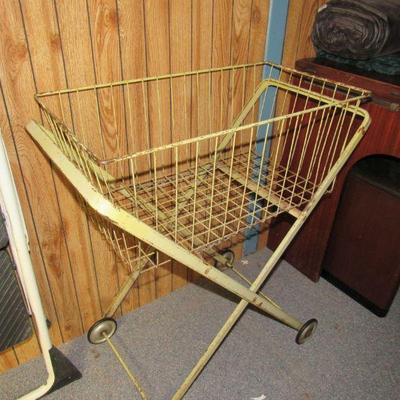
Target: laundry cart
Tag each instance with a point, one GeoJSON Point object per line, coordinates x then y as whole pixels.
{"type": "Point", "coordinates": [178, 165]}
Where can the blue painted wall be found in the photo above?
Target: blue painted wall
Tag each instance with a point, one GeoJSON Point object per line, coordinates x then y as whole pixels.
{"type": "Point", "coordinates": [273, 52]}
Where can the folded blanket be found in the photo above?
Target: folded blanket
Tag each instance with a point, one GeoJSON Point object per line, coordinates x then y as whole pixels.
{"type": "Point", "coordinates": [358, 29]}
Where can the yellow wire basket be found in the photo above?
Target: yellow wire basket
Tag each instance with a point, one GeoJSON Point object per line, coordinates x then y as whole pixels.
{"type": "Point", "coordinates": [181, 163]}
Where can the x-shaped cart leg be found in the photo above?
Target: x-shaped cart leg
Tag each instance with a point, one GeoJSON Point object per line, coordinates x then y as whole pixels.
{"type": "Point", "coordinates": [304, 330]}
{"type": "Point", "coordinates": [129, 223]}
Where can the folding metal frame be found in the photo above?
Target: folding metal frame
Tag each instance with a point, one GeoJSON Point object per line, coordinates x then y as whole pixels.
{"type": "Point", "coordinates": [186, 198]}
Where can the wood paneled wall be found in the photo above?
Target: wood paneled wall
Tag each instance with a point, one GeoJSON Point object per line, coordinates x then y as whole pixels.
{"type": "Point", "coordinates": [49, 44]}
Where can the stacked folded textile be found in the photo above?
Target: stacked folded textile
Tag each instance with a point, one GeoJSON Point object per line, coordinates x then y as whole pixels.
{"type": "Point", "coordinates": [360, 30]}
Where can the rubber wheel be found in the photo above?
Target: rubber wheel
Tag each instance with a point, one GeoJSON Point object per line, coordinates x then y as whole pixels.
{"type": "Point", "coordinates": [306, 331]}
{"type": "Point", "coordinates": [104, 326]}
{"type": "Point", "coordinates": [230, 259]}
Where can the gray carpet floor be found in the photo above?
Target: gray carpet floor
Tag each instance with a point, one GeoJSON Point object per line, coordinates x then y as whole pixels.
{"type": "Point", "coordinates": [353, 355]}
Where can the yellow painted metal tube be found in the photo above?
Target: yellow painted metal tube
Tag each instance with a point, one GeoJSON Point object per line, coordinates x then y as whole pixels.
{"type": "Point", "coordinates": [122, 293]}
{"type": "Point", "coordinates": [131, 376]}
{"type": "Point", "coordinates": [268, 267]}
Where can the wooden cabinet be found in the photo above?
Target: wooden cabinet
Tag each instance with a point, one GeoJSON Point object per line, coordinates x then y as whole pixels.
{"type": "Point", "coordinates": [363, 253]}
{"type": "Point", "coordinates": [307, 250]}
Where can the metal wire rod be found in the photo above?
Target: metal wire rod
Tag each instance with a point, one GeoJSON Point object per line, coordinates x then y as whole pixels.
{"type": "Point", "coordinates": [132, 377]}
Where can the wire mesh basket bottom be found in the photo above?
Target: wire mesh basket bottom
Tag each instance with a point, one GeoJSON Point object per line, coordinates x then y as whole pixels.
{"type": "Point", "coordinates": [274, 142]}
{"type": "Point", "coordinates": [224, 202]}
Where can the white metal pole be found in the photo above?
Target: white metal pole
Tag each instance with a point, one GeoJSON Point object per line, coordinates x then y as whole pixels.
{"type": "Point", "coordinates": [17, 235]}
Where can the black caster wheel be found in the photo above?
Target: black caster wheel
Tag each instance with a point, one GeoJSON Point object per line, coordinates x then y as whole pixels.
{"type": "Point", "coordinates": [306, 331]}
{"type": "Point", "coordinates": [105, 326]}
{"type": "Point", "coordinates": [230, 259]}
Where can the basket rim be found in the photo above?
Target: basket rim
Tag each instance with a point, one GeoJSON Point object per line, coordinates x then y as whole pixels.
{"type": "Point", "coordinates": [231, 67]}
{"type": "Point", "coordinates": [351, 108]}
{"type": "Point", "coordinates": [352, 104]}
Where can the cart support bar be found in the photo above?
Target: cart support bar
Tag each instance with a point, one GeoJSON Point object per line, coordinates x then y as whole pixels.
{"type": "Point", "coordinates": [122, 293]}
{"type": "Point", "coordinates": [272, 261]}
{"type": "Point", "coordinates": [261, 192]}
